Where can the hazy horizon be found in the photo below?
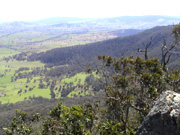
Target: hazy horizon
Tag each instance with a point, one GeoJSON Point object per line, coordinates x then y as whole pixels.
{"type": "Point", "coordinates": [30, 10]}
{"type": "Point", "coordinates": [83, 18]}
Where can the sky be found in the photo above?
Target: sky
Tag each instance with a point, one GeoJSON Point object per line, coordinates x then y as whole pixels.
{"type": "Point", "coordinates": [27, 10]}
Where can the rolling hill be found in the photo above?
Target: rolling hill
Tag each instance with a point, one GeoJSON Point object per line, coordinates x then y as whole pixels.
{"type": "Point", "coordinates": [116, 47]}
{"type": "Point", "coordinates": [123, 22]}
{"type": "Point", "coordinates": [61, 73]}
{"type": "Point", "coordinates": [56, 32]}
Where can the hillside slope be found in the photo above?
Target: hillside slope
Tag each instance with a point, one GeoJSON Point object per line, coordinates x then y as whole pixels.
{"type": "Point", "coordinates": [57, 32]}
{"type": "Point", "coordinates": [115, 47]}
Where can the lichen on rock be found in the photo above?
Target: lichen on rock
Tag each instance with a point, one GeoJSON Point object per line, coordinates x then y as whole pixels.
{"type": "Point", "coordinates": [164, 117]}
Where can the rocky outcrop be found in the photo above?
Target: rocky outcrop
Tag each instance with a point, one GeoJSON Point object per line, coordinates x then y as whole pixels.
{"type": "Point", "coordinates": [164, 117]}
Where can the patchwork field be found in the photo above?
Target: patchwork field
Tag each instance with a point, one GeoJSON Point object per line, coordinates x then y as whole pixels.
{"type": "Point", "coordinates": [5, 52]}
{"type": "Point", "coordinates": [38, 41]}
{"type": "Point", "coordinates": [23, 80]}
{"type": "Point", "coordinates": [10, 89]}
{"type": "Point", "coordinates": [17, 85]}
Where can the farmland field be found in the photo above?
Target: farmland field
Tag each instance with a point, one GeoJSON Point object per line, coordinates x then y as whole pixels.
{"type": "Point", "coordinates": [9, 88]}
{"type": "Point", "coordinates": [43, 41]}
{"type": "Point", "coordinates": [21, 79]}
{"type": "Point", "coordinates": [20, 89]}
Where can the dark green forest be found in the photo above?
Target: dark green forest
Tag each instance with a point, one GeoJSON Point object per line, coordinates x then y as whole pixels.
{"type": "Point", "coordinates": [81, 56]}
{"type": "Point", "coordinates": [131, 85]}
{"type": "Point", "coordinates": [133, 72]}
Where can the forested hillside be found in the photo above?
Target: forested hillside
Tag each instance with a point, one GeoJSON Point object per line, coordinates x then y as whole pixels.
{"type": "Point", "coordinates": [130, 84]}
{"type": "Point", "coordinates": [121, 46]}
{"type": "Point", "coordinates": [120, 77]}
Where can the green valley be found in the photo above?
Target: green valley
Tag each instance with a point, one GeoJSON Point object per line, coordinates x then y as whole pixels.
{"type": "Point", "coordinates": [119, 65]}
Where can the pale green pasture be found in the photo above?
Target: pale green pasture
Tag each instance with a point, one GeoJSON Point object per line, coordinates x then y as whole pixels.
{"type": "Point", "coordinates": [22, 38]}
{"type": "Point", "coordinates": [79, 93]}
{"type": "Point", "coordinates": [10, 88]}
{"type": "Point", "coordinates": [13, 97]}
{"type": "Point", "coordinates": [11, 91]}
{"type": "Point", "coordinates": [5, 52]}
{"type": "Point", "coordinates": [76, 78]}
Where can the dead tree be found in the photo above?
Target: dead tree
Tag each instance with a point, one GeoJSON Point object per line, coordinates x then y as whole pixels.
{"type": "Point", "coordinates": [166, 54]}
{"type": "Point", "coordinates": [146, 46]}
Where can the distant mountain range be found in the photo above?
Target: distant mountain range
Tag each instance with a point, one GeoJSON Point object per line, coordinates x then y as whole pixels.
{"type": "Point", "coordinates": [53, 29]}
{"type": "Point", "coordinates": [123, 22]}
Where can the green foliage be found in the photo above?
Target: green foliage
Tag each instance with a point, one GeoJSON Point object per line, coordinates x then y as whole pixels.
{"type": "Point", "coordinates": [22, 124]}
{"type": "Point", "coordinates": [132, 86]}
{"type": "Point", "coordinates": [176, 31]}
{"type": "Point", "coordinates": [56, 111]}
{"type": "Point", "coordinates": [174, 80]}
{"type": "Point", "coordinates": [70, 120]}
{"type": "Point", "coordinates": [110, 128]}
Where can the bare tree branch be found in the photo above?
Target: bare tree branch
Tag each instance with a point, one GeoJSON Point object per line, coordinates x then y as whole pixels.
{"type": "Point", "coordinates": [166, 51]}
{"type": "Point", "coordinates": [147, 45]}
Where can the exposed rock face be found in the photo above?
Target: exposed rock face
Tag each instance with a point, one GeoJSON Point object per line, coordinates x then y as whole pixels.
{"type": "Point", "coordinates": [164, 117]}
